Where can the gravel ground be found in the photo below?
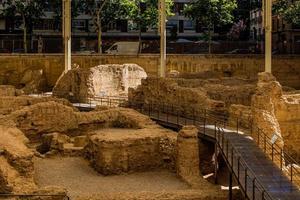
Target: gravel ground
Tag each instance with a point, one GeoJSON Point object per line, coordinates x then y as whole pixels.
{"type": "Point", "coordinates": [80, 179]}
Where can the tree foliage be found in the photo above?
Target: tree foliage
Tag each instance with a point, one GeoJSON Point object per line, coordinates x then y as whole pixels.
{"type": "Point", "coordinates": [290, 11]}
{"type": "Point", "coordinates": [24, 12]}
{"type": "Point", "coordinates": [211, 12]}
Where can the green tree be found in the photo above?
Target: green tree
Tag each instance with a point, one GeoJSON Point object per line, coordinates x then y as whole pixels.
{"type": "Point", "coordinates": [143, 12]}
{"type": "Point", "coordinates": [146, 14]}
{"type": "Point", "coordinates": [211, 13]}
{"type": "Point", "coordinates": [290, 11]}
{"type": "Point", "coordinates": [77, 6]}
{"type": "Point", "coordinates": [105, 11]}
{"type": "Point", "coordinates": [25, 13]}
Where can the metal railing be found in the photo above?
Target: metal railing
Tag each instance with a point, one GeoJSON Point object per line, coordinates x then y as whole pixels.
{"type": "Point", "coordinates": [35, 196]}
{"type": "Point", "coordinates": [176, 115]}
{"type": "Point", "coordinates": [171, 114]}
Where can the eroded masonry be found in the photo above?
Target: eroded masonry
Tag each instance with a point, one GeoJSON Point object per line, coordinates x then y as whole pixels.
{"type": "Point", "coordinates": [116, 149]}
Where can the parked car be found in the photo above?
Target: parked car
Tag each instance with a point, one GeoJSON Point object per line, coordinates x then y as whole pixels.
{"type": "Point", "coordinates": [240, 51]}
{"type": "Point", "coordinates": [124, 48]}
{"type": "Point", "coordinates": [2, 50]}
{"type": "Point", "coordinates": [18, 51]}
{"type": "Point", "coordinates": [85, 50]}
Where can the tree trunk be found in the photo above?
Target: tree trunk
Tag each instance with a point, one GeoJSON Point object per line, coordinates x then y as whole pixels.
{"type": "Point", "coordinates": [99, 25]}
{"type": "Point", "coordinates": [140, 38]}
{"type": "Point", "coordinates": [209, 39]}
{"type": "Point", "coordinates": [24, 35]}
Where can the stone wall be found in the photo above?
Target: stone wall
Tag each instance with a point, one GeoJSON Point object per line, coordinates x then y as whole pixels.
{"type": "Point", "coordinates": [285, 68]}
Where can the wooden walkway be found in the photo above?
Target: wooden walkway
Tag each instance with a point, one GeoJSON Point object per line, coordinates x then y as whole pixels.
{"type": "Point", "coordinates": [258, 177]}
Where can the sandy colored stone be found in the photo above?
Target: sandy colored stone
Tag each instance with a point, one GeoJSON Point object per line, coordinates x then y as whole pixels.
{"type": "Point", "coordinates": [33, 81]}
{"type": "Point", "coordinates": [78, 85]}
{"type": "Point", "coordinates": [240, 115]}
{"type": "Point", "coordinates": [188, 159]}
{"type": "Point", "coordinates": [115, 151]}
{"type": "Point", "coordinates": [9, 90]}
{"type": "Point", "coordinates": [10, 104]}
{"type": "Point", "coordinates": [190, 101]}
{"type": "Point", "coordinates": [16, 164]}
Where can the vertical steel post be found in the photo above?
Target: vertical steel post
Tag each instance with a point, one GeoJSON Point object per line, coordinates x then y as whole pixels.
{"type": "Point", "coordinates": [268, 35]}
{"type": "Point", "coordinates": [163, 41]}
{"type": "Point", "coordinates": [230, 186]}
{"type": "Point", "coordinates": [66, 10]}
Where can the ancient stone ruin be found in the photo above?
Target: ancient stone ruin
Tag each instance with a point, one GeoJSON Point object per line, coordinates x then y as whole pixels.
{"type": "Point", "coordinates": [78, 85]}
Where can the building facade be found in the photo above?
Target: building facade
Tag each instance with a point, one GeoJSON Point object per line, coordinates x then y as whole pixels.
{"type": "Point", "coordinates": [84, 32]}
{"type": "Point", "coordinates": [286, 36]}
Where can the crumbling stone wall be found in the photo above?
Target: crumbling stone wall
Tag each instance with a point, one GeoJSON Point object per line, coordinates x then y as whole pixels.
{"type": "Point", "coordinates": [104, 80]}
{"type": "Point", "coordinates": [16, 164]}
{"type": "Point", "coordinates": [189, 101]}
{"type": "Point", "coordinates": [9, 90]}
{"type": "Point", "coordinates": [263, 111]}
{"type": "Point", "coordinates": [116, 151]}
{"type": "Point", "coordinates": [188, 154]}
{"type": "Point", "coordinates": [287, 112]}
{"type": "Point", "coordinates": [9, 104]}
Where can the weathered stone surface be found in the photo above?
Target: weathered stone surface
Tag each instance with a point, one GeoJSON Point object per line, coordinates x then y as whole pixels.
{"type": "Point", "coordinates": [115, 151]}
{"type": "Point", "coordinates": [103, 80]}
{"type": "Point", "coordinates": [264, 103]}
{"type": "Point", "coordinates": [189, 101]}
{"type": "Point", "coordinates": [9, 90]}
{"type": "Point", "coordinates": [10, 104]}
{"type": "Point", "coordinates": [188, 154]}
{"type": "Point", "coordinates": [240, 115]}
{"type": "Point", "coordinates": [33, 81]}
{"type": "Point", "coordinates": [287, 112]}
{"type": "Point", "coordinates": [16, 164]}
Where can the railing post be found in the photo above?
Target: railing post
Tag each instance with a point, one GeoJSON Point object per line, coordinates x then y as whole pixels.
{"type": "Point", "coordinates": [263, 195]}
{"type": "Point", "coordinates": [291, 172]}
{"type": "Point", "coordinates": [227, 148]}
{"type": "Point", "coordinates": [194, 121]}
{"type": "Point", "coordinates": [239, 158]}
{"type": "Point", "coordinates": [253, 189]}
{"type": "Point", "coordinates": [216, 163]}
{"type": "Point", "coordinates": [230, 185]}
{"type": "Point", "coordinates": [272, 152]}
{"type": "Point", "coordinates": [265, 143]}
{"type": "Point", "coordinates": [258, 135]}
{"type": "Point", "coordinates": [232, 158]}
{"type": "Point", "coordinates": [177, 117]}
{"type": "Point", "coordinates": [246, 176]}
{"type": "Point", "coordinates": [237, 125]}
{"type": "Point", "coordinates": [281, 159]}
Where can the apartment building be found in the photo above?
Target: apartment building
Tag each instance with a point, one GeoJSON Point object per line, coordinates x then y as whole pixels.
{"type": "Point", "coordinates": [286, 37]}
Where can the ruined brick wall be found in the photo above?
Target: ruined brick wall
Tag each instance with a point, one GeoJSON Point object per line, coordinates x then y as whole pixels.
{"type": "Point", "coordinates": [285, 68]}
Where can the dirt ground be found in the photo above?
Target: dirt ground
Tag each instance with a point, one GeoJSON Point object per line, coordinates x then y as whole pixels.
{"type": "Point", "coordinates": [79, 178]}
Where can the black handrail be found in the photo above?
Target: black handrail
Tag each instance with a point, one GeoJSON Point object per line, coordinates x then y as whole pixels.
{"type": "Point", "coordinates": [63, 196]}
{"type": "Point", "coordinates": [277, 153]}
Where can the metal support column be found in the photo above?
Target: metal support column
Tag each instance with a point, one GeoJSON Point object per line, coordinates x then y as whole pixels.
{"type": "Point", "coordinates": [268, 35]}
{"type": "Point", "coordinates": [230, 185]}
{"type": "Point", "coordinates": [66, 28]}
{"type": "Point", "coordinates": [216, 162]}
{"type": "Point", "coordinates": [163, 41]}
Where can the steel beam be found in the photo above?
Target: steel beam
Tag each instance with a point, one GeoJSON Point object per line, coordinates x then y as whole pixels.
{"type": "Point", "coordinates": [66, 29]}
{"type": "Point", "coordinates": [268, 35]}
{"type": "Point", "coordinates": [163, 52]}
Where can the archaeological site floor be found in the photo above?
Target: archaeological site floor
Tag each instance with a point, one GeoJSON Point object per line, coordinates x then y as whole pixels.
{"type": "Point", "coordinates": [80, 179]}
